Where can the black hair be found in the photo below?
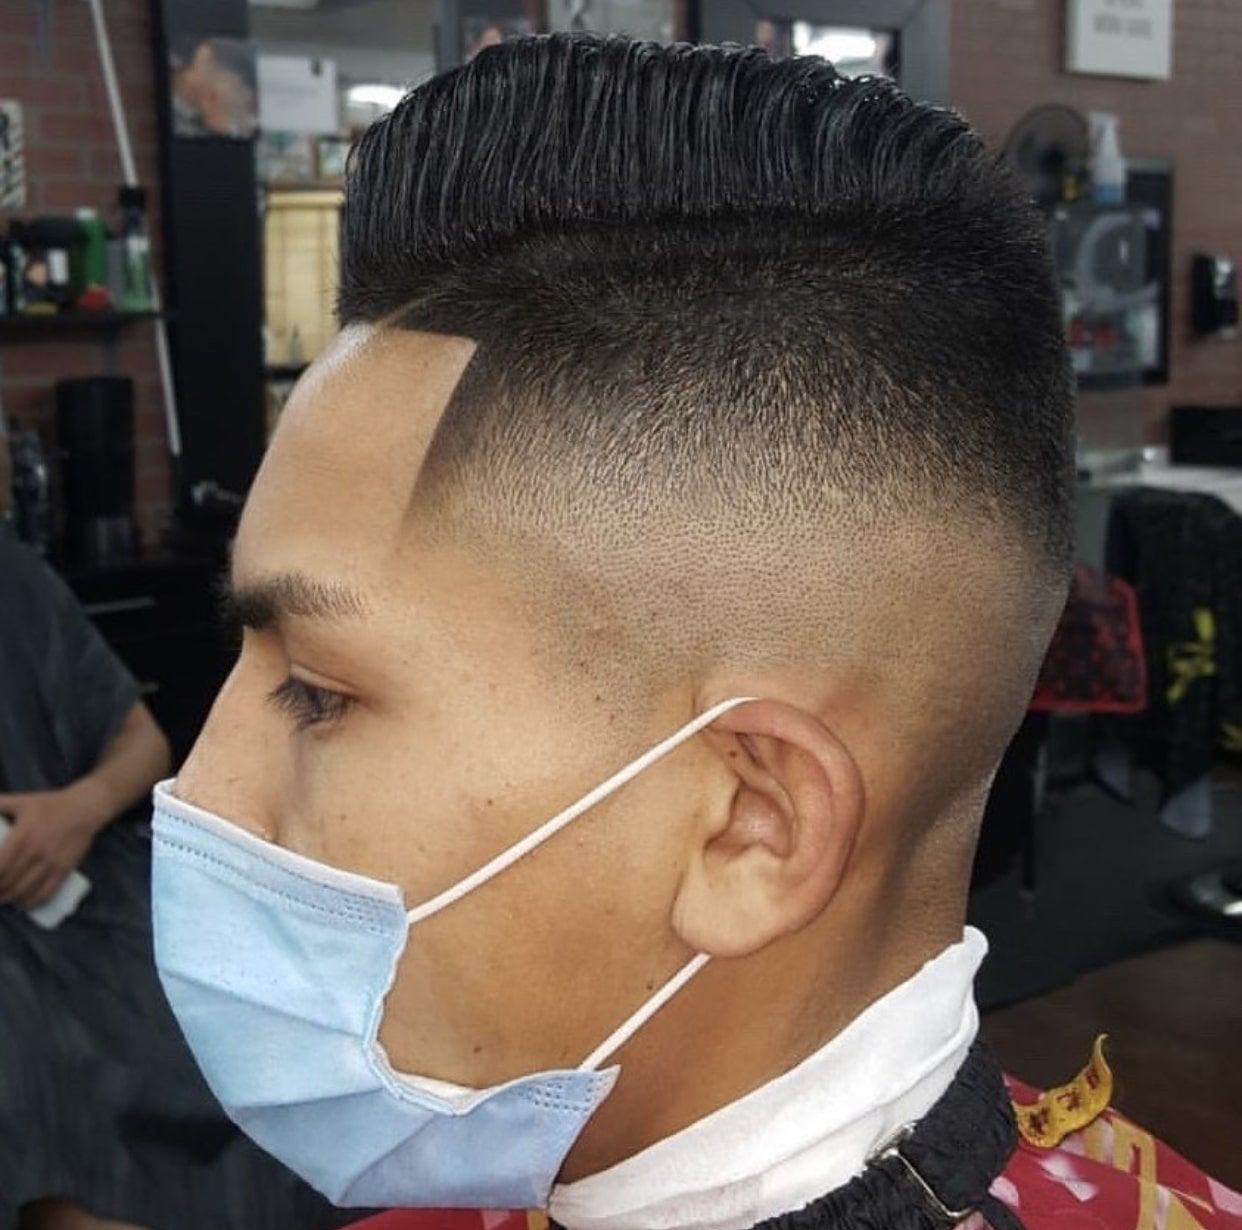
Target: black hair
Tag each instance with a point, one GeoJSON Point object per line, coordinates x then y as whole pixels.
{"type": "Point", "coordinates": [702, 268]}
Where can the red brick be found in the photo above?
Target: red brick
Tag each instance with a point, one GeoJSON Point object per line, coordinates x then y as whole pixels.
{"type": "Point", "coordinates": [104, 165]}
{"type": "Point", "coordinates": [48, 162]}
{"type": "Point", "coordinates": [64, 196]}
{"type": "Point", "coordinates": [59, 90]}
{"type": "Point", "coordinates": [82, 128]}
{"type": "Point", "coordinates": [151, 488]}
{"type": "Point", "coordinates": [18, 18]}
{"type": "Point", "coordinates": [26, 405]}
{"type": "Point", "coordinates": [80, 57]}
{"type": "Point", "coordinates": [136, 352]}
{"type": "Point", "coordinates": [31, 362]}
{"type": "Point", "coordinates": [16, 45]}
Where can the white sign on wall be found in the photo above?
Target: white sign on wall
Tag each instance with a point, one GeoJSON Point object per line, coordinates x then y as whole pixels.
{"type": "Point", "coordinates": [298, 94]}
{"type": "Point", "coordinates": [12, 156]}
{"type": "Point", "coordinates": [1120, 38]}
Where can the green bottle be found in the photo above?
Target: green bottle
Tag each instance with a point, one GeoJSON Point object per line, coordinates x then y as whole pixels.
{"type": "Point", "coordinates": [93, 252]}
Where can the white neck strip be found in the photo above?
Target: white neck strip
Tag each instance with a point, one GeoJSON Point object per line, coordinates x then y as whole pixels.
{"type": "Point", "coordinates": [805, 1133]}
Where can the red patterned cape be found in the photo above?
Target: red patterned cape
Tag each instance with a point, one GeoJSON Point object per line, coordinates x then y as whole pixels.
{"type": "Point", "coordinates": [1110, 1175]}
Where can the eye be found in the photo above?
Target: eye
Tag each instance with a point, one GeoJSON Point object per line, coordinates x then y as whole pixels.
{"type": "Point", "coordinates": [307, 704]}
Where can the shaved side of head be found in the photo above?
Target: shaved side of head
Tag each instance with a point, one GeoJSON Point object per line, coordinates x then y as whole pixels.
{"type": "Point", "coordinates": [769, 376]}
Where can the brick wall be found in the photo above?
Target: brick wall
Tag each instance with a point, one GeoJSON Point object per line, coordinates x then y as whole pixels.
{"type": "Point", "coordinates": [52, 68]}
{"type": "Point", "coordinates": [1007, 56]}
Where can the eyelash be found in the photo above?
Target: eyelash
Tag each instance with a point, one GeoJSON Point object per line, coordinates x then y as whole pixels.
{"type": "Point", "coordinates": [309, 705]}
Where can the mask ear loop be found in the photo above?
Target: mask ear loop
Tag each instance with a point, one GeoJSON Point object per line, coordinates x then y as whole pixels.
{"type": "Point", "coordinates": [620, 1036]}
{"type": "Point", "coordinates": [551, 827]}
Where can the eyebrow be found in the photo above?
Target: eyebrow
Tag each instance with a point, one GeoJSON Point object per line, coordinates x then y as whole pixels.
{"type": "Point", "coordinates": [269, 600]}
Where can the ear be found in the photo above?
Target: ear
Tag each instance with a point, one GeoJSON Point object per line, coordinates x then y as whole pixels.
{"type": "Point", "coordinates": [771, 861]}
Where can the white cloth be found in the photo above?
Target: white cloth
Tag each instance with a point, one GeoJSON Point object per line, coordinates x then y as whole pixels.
{"type": "Point", "coordinates": [806, 1132]}
{"type": "Point", "coordinates": [1156, 471]}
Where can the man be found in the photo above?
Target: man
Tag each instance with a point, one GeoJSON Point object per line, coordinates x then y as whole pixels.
{"type": "Point", "coordinates": [102, 1113]}
{"type": "Point", "coordinates": [638, 598]}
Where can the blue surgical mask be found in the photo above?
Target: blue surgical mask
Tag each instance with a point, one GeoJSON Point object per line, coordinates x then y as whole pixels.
{"type": "Point", "coordinates": [276, 967]}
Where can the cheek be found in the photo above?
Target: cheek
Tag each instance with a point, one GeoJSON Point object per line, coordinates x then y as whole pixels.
{"type": "Point", "coordinates": [364, 794]}
{"type": "Point", "coordinates": [391, 796]}
{"type": "Point", "coordinates": [348, 800]}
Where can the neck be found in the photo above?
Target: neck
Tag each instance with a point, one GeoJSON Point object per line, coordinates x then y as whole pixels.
{"type": "Point", "coordinates": [741, 1023]}
{"type": "Point", "coordinates": [802, 1137]}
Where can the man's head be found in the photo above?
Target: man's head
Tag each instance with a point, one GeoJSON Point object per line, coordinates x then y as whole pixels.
{"type": "Point", "coordinates": [667, 375]}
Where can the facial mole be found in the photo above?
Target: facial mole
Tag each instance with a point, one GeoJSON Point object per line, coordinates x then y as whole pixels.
{"type": "Point", "coordinates": [478, 1048]}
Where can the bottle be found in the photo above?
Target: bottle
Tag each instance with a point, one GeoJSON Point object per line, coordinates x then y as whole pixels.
{"type": "Point", "coordinates": [1108, 167]}
{"type": "Point", "coordinates": [136, 295]}
{"type": "Point", "coordinates": [91, 273]}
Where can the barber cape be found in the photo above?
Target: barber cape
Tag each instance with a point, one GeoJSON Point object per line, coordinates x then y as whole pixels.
{"type": "Point", "coordinates": [991, 1154]}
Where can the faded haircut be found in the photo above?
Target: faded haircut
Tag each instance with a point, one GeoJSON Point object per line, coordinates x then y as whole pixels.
{"type": "Point", "coordinates": [699, 272]}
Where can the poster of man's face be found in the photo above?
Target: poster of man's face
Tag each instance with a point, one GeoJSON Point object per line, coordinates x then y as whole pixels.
{"type": "Point", "coordinates": [214, 89]}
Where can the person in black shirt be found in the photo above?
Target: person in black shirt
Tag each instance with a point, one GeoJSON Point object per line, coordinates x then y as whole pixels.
{"type": "Point", "coordinates": [78, 747]}
{"type": "Point", "coordinates": [103, 1114]}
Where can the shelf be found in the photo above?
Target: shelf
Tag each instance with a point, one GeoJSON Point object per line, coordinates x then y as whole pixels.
{"type": "Point", "coordinates": [31, 326]}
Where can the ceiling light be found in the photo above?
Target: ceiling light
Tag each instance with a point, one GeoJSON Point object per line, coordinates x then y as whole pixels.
{"type": "Point", "coordinates": [834, 45]}
{"type": "Point", "coordinates": [376, 95]}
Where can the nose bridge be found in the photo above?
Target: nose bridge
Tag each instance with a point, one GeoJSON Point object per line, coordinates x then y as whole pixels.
{"type": "Point", "coordinates": [228, 771]}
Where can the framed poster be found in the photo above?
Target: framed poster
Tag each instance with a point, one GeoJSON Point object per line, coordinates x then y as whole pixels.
{"type": "Point", "coordinates": [12, 156]}
{"type": "Point", "coordinates": [212, 83]}
{"type": "Point", "coordinates": [1149, 185]}
{"type": "Point", "coordinates": [1113, 264]}
{"type": "Point", "coordinates": [298, 94]}
{"type": "Point", "coordinates": [1120, 38]}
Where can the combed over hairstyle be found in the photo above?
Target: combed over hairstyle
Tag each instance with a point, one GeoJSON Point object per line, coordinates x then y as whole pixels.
{"type": "Point", "coordinates": [700, 272]}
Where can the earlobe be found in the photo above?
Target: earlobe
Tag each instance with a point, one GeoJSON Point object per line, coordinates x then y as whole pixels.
{"type": "Point", "coordinates": [772, 857]}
